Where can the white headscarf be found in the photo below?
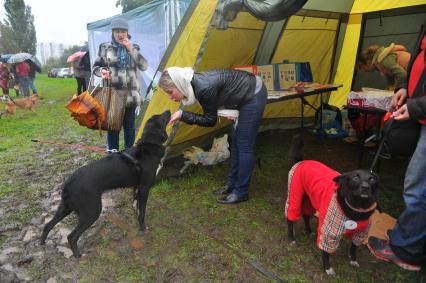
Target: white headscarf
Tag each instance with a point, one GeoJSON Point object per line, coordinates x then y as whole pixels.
{"type": "Point", "coordinates": [182, 77]}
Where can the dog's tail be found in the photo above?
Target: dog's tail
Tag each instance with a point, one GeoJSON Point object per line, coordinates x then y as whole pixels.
{"type": "Point", "coordinates": [295, 153]}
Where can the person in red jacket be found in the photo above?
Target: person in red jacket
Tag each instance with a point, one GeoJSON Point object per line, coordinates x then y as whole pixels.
{"type": "Point", "coordinates": [4, 78]}
{"type": "Point", "coordinates": [407, 240]}
{"type": "Point", "coordinates": [22, 73]}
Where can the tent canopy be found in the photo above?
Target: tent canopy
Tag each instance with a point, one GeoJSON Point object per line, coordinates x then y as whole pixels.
{"type": "Point", "coordinates": [325, 33]}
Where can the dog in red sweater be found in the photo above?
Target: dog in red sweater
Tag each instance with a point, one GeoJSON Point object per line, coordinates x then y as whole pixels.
{"type": "Point", "coordinates": [344, 203]}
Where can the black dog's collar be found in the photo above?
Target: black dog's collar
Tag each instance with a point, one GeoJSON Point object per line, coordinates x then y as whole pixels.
{"type": "Point", "coordinates": [371, 208]}
{"type": "Point", "coordinates": [133, 160]}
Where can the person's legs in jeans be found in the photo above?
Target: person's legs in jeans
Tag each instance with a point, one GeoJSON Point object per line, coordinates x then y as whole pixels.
{"type": "Point", "coordinates": [113, 139]}
{"type": "Point", "coordinates": [16, 87]}
{"type": "Point", "coordinates": [233, 159]}
{"type": "Point", "coordinates": [81, 85]}
{"type": "Point", "coordinates": [84, 85]}
{"type": "Point", "coordinates": [408, 238]}
{"type": "Point", "coordinates": [245, 134]}
{"type": "Point", "coordinates": [129, 127]}
{"type": "Point", "coordinates": [23, 83]}
{"type": "Point", "coordinates": [32, 85]}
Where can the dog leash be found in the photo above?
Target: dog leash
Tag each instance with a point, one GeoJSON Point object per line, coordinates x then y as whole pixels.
{"type": "Point", "coordinates": [93, 148]}
{"type": "Point", "coordinates": [13, 101]}
{"type": "Point", "coordinates": [382, 142]}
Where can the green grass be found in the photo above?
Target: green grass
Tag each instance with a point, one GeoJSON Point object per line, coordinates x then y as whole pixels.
{"type": "Point", "coordinates": [190, 238]}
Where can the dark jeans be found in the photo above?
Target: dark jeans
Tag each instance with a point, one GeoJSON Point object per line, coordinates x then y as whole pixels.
{"type": "Point", "coordinates": [31, 85]}
{"type": "Point", "coordinates": [81, 85]}
{"type": "Point", "coordinates": [408, 237]}
{"type": "Point", "coordinates": [243, 137]}
{"type": "Point", "coordinates": [24, 85]}
{"type": "Point", "coordinates": [113, 138]}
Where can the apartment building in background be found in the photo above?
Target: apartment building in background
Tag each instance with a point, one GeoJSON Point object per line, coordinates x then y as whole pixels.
{"type": "Point", "coordinates": [46, 50]}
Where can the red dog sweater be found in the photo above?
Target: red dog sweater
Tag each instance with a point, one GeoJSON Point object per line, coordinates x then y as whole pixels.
{"type": "Point", "coordinates": [311, 188]}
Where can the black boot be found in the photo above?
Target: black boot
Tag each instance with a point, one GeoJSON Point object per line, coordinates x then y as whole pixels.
{"type": "Point", "coordinates": [225, 190]}
{"type": "Point", "coordinates": [232, 199]}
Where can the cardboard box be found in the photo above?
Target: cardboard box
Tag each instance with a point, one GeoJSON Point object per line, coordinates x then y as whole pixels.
{"type": "Point", "coordinates": [289, 73]}
{"type": "Point", "coordinates": [267, 73]}
{"type": "Point", "coordinates": [251, 69]}
{"type": "Point", "coordinates": [285, 76]}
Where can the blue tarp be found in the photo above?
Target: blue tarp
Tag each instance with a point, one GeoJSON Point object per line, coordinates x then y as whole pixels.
{"type": "Point", "coordinates": [151, 26]}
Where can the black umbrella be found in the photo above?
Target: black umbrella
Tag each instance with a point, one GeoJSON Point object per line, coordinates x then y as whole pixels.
{"type": "Point", "coordinates": [33, 65]}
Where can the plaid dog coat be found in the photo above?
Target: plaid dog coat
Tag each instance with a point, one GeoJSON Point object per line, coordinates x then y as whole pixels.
{"type": "Point", "coordinates": [311, 188]}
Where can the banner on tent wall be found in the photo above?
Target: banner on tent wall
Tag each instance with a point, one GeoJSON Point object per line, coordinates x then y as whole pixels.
{"type": "Point", "coordinates": [151, 26]}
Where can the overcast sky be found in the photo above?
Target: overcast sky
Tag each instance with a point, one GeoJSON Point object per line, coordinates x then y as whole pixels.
{"type": "Point", "coordinates": [65, 21]}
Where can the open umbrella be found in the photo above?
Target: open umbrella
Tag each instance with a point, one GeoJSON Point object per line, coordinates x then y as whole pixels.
{"type": "Point", "coordinates": [19, 57]}
{"type": "Point", "coordinates": [77, 55]}
{"type": "Point", "coordinates": [5, 57]}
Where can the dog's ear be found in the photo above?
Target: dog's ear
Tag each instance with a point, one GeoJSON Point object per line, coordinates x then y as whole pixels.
{"type": "Point", "coordinates": [341, 180]}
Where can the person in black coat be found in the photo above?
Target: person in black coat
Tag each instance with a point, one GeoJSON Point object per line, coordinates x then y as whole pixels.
{"type": "Point", "coordinates": [241, 97]}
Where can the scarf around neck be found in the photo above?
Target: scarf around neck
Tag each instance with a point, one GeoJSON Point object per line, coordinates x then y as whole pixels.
{"type": "Point", "coordinates": [123, 57]}
{"type": "Point", "coordinates": [182, 78]}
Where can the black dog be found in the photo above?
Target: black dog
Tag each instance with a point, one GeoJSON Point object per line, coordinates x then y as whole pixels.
{"type": "Point", "coordinates": [135, 167]}
{"type": "Point", "coordinates": [344, 202]}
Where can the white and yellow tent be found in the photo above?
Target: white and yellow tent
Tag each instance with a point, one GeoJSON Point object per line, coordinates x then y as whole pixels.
{"type": "Point", "coordinates": [326, 33]}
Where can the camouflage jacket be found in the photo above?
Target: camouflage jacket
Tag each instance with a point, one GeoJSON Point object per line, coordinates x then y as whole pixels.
{"type": "Point", "coordinates": [122, 78]}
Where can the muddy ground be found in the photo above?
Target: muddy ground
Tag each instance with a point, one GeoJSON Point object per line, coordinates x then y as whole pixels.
{"type": "Point", "coordinates": [190, 238]}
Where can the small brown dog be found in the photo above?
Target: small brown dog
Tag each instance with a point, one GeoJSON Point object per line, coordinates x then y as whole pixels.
{"type": "Point", "coordinates": [28, 103]}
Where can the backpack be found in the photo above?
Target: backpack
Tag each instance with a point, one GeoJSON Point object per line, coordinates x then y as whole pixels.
{"type": "Point", "coordinates": [331, 122]}
{"type": "Point", "coordinates": [329, 114]}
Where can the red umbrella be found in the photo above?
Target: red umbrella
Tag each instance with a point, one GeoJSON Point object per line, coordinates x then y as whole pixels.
{"type": "Point", "coordinates": [77, 55]}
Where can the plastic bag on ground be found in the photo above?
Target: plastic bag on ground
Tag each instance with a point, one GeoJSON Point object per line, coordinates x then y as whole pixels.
{"type": "Point", "coordinates": [219, 152]}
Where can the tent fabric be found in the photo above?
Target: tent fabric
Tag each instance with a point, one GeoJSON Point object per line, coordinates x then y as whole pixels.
{"type": "Point", "coordinates": [296, 45]}
{"type": "Point", "coordinates": [307, 36]}
{"type": "Point", "coordinates": [151, 26]}
{"type": "Point", "coordinates": [299, 43]}
{"type": "Point", "coordinates": [363, 6]}
{"type": "Point", "coordinates": [338, 6]}
{"type": "Point", "coordinates": [347, 60]}
{"type": "Point", "coordinates": [273, 10]}
{"type": "Point", "coordinates": [241, 41]}
{"type": "Point", "coordinates": [184, 55]}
